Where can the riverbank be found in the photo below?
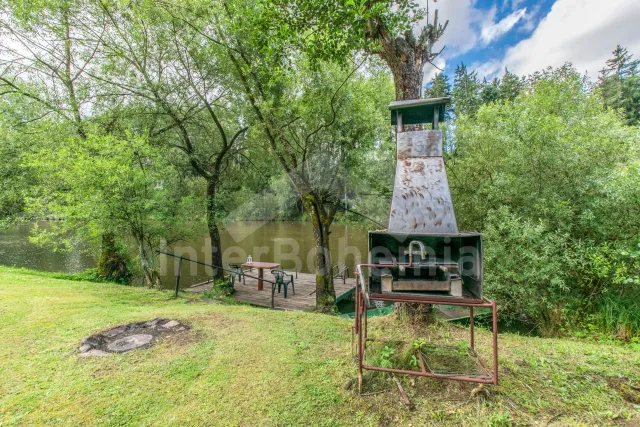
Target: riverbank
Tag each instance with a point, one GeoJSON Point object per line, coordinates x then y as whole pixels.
{"type": "Point", "coordinates": [252, 366]}
{"type": "Point", "coordinates": [291, 244]}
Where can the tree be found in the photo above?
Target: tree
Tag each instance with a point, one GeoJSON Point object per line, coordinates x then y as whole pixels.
{"type": "Point", "coordinates": [438, 87]}
{"type": "Point", "coordinates": [180, 87]}
{"type": "Point", "coordinates": [302, 107]}
{"type": "Point", "coordinates": [15, 178]}
{"type": "Point", "coordinates": [619, 83]}
{"type": "Point", "coordinates": [406, 55]}
{"type": "Point", "coordinates": [321, 128]}
{"type": "Point", "coordinates": [548, 180]}
{"type": "Point", "coordinates": [510, 86]}
{"type": "Point", "coordinates": [490, 91]}
{"type": "Point", "coordinates": [46, 61]}
{"type": "Point", "coordinates": [121, 186]}
{"type": "Point", "coordinates": [466, 91]}
{"type": "Point", "coordinates": [334, 30]}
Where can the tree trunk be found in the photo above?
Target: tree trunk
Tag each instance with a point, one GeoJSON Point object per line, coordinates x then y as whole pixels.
{"type": "Point", "coordinates": [407, 75]}
{"type": "Point", "coordinates": [214, 231]}
{"type": "Point", "coordinates": [112, 265]}
{"type": "Point", "coordinates": [151, 276]}
{"type": "Point", "coordinates": [325, 291]}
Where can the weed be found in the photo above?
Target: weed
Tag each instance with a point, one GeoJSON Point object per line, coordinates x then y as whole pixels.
{"type": "Point", "coordinates": [385, 357]}
{"type": "Point", "coordinates": [221, 288]}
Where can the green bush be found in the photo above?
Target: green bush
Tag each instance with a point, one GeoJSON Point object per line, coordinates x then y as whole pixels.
{"type": "Point", "coordinates": [221, 288]}
{"type": "Point", "coordinates": [552, 179]}
{"type": "Point", "coordinates": [526, 268]}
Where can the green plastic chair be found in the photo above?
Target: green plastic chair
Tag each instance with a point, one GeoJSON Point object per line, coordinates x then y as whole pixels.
{"type": "Point", "coordinates": [237, 272]}
{"type": "Point", "coordinates": [283, 279]}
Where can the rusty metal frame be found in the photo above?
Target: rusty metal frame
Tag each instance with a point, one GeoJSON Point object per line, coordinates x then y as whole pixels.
{"type": "Point", "coordinates": [363, 297]}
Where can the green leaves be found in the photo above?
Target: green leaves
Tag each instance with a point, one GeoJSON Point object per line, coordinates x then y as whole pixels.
{"type": "Point", "coordinates": [109, 184]}
{"type": "Point", "coordinates": [553, 182]}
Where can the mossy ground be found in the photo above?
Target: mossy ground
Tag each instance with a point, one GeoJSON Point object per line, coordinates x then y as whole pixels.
{"type": "Point", "coordinates": [240, 365]}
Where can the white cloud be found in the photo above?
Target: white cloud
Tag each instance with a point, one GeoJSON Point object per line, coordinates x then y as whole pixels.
{"type": "Point", "coordinates": [491, 30]}
{"type": "Point", "coordinates": [583, 32]}
{"type": "Point", "coordinates": [430, 71]}
{"type": "Point", "coordinates": [487, 69]}
{"type": "Point", "coordinates": [464, 18]}
{"type": "Point", "coordinates": [528, 20]}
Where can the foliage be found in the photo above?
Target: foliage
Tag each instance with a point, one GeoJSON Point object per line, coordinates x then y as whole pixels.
{"type": "Point", "coordinates": [134, 122]}
{"type": "Point", "coordinates": [114, 263]}
{"type": "Point", "coordinates": [469, 93]}
{"type": "Point", "coordinates": [549, 181]}
{"type": "Point", "coordinates": [386, 354]}
{"type": "Point", "coordinates": [466, 91]}
{"type": "Point", "coordinates": [525, 268]}
{"type": "Point", "coordinates": [14, 177]}
{"type": "Point", "coordinates": [438, 87]}
{"type": "Point", "coordinates": [221, 288]}
{"type": "Point", "coordinates": [324, 30]}
{"type": "Point", "coordinates": [108, 185]}
{"type": "Point", "coordinates": [619, 315]}
{"type": "Point", "coordinates": [619, 83]}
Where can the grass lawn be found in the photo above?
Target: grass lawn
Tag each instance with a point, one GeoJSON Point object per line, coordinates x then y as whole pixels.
{"type": "Point", "coordinates": [240, 365]}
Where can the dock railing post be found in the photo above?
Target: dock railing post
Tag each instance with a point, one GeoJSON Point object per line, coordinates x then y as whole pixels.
{"type": "Point", "coordinates": [178, 276]}
{"type": "Point", "coordinates": [273, 291]}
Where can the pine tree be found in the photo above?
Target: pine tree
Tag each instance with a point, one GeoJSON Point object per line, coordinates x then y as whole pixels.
{"type": "Point", "coordinates": [466, 91]}
{"type": "Point", "coordinates": [619, 83]}
{"type": "Point", "coordinates": [511, 86]}
{"type": "Point", "coordinates": [438, 87]}
{"type": "Point", "coordinates": [622, 64]}
{"type": "Point", "coordinates": [490, 91]}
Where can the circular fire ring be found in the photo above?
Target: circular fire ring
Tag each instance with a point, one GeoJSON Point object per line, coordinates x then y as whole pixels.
{"type": "Point", "coordinates": [132, 336]}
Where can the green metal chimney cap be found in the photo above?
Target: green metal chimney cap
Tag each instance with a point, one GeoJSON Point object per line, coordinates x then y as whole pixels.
{"type": "Point", "coordinates": [418, 110]}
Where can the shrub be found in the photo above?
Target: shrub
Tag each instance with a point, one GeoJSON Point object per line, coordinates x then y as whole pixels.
{"type": "Point", "coordinates": [552, 181]}
{"type": "Point", "coordinates": [221, 288]}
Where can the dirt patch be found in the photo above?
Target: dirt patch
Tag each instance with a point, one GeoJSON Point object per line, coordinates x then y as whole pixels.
{"type": "Point", "coordinates": [629, 392]}
{"type": "Point", "coordinates": [132, 336]}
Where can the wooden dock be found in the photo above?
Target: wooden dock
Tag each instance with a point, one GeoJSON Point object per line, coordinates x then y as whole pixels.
{"type": "Point", "coordinates": [303, 300]}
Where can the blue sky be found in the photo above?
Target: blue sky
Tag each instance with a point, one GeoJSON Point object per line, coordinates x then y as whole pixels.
{"type": "Point", "coordinates": [528, 35]}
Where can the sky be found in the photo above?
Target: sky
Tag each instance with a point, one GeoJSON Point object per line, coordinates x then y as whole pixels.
{"type": "Point", "coordinates": [529, 35]}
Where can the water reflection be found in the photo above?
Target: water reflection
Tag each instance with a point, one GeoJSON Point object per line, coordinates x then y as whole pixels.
{"type": "Point", "coordinates": [290, 244]}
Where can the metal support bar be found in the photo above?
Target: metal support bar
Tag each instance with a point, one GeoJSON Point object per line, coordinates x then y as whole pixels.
{"type": "Point", "coordinates": [471, 325]}
{"type": "Point", "coordinates": [483, 380]}
{"type": "Point", "coordinates": [213, 266]}
{"type": "Point", "coordinates": [494, 310]}
{"type": "Point", "coordinates": [436, 118]}
{"type": "Point", "coordinates": [360, 327]}
{"type": "Point", "coordinates": [421, 360]}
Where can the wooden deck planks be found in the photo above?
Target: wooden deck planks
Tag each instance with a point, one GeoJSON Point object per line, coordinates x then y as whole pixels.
{"type": "Point", "coordinates": [303, 300]}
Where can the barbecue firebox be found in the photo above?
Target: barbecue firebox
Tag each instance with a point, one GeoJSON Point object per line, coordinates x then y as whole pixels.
{"type": "Point", "coordinates": [446, 266]}
{"type": "Point", "coordinates": [422, 257]}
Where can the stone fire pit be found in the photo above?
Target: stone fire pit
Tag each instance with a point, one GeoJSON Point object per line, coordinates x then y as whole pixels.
{"type": "Point", "coordinates": [133, 336]}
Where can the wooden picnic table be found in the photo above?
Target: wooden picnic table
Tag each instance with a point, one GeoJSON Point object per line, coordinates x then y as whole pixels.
{"type": "Point", "coordinates": [261, 266]}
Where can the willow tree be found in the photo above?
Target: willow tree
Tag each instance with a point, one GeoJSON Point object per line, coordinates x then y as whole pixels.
{"type": "Point", "coordinates": [45, 60]}
{"type": "Point", "coordinates": [175, 87]}
{"type": "Point", "coordinates": [272, 31]}
{"type": "Point", "coordinates": [310, 116]}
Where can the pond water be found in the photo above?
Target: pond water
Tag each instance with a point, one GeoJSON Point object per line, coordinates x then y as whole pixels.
{"type": "Point", "coordinates": [290, 244]}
